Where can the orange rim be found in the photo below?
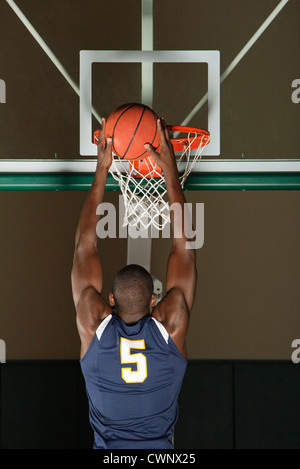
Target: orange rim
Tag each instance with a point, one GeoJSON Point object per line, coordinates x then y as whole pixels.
{"type": "Point", "coordinates": [96, 136]}
{"type": "Point", "coordinates": [195, 137]}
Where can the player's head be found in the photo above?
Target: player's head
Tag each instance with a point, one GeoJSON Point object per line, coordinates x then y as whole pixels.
{"type": "Point", "coordinates": [132, 291]}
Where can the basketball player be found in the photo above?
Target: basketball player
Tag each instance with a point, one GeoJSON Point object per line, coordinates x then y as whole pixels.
{"type": "Point", "coordinates": [133, 352]}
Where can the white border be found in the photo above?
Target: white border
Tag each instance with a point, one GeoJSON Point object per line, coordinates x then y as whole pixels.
{"type": "Point", "coordinates": [203, 166]}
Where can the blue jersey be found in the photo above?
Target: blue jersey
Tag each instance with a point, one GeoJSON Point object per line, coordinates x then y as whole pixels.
{"type": "Point", "coordinates": [133, 375]}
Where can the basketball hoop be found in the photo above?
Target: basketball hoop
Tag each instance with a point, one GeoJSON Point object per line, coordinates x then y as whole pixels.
{"type": "Point", "coordinates": [142, 182]}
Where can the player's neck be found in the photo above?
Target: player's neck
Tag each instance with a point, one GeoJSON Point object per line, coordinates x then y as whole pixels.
{"type": "Point", "coordinates": [131, 318]}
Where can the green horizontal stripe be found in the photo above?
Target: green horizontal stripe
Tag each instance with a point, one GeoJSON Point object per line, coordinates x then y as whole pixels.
{"type": "Point", "coordinates": [195, 181]}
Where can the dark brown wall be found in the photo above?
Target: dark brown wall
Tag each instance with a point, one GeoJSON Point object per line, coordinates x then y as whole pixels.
{"type": "Point", "coordinates": [248, 299]}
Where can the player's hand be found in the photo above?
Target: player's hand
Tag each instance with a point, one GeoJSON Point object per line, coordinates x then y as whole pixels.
{"type": "Point", "coordinates": [104, 149]}
{"type": "Point", "coordinates": [164, 157]}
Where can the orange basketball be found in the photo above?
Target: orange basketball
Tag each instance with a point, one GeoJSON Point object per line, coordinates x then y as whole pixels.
{"type": "Point", "coordinates": [131, 126]}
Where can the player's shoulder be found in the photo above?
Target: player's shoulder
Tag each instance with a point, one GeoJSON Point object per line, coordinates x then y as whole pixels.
{"type": "Point", "coordinates": [172, 311]}
{"type": "Point", "coordinates": [173, 300]}
{"type": "Point", "coordinates": [91, 311]}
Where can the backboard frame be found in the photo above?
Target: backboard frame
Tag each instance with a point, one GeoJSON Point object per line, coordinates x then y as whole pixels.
{"type": "Point", "coordinates": [88, 57]}
{"type": "Point", "coordinates": [209, 174]}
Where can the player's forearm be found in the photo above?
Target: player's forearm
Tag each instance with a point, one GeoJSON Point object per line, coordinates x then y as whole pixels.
{"type": "Point", "coordinates": [180, 217]}
{"type": "Point", "coordinates": [181, 267]}
{"type": "Point", "coordinates": [174, 190]}
{"type": "Point", "coordinates": [86, 230]}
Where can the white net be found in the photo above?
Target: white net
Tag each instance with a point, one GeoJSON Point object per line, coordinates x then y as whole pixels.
{"type": "Point", "coordinates": [143, 185]}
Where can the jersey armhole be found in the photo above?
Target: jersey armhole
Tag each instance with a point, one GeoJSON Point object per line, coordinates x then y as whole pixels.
{"type": "Point", "coordinates": [167, 338]}
{"type": "Point", "coordinates": [97, 335]}
{"type": "Point", "coordinates": [102, 326]}
{"type": "Point", "coordinates": [162, 330]}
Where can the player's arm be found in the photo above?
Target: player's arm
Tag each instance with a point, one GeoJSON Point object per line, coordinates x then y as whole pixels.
{"type": "Point", "coordinates": [86, 275]}
{"type": "Point", "coordinates": [174, 309]}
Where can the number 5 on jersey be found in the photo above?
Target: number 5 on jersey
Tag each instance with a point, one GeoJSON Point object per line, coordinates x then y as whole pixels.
{"type": "Point", "coordinates": [128, 374]}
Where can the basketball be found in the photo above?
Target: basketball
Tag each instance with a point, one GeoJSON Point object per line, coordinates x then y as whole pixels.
{"type": "Point", "coordinates": [131, 126]}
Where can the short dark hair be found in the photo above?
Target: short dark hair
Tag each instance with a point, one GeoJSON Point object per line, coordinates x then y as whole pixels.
{"type": "Point", "coordinates": [132, 289]}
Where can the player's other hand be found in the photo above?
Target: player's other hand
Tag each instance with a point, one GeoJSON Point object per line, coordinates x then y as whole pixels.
{"type": "Point", "coordinates": [104, 148]}
{"type": "Point", "coordinates": [164, 157]}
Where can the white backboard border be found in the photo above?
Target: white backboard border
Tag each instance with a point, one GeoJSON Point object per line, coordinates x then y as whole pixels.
{"type": "Point", "coordinates": [88, 57]}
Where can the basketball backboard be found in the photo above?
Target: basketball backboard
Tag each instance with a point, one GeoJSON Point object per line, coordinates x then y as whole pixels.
{"type": "Point", "coordinates": [230, 67]}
